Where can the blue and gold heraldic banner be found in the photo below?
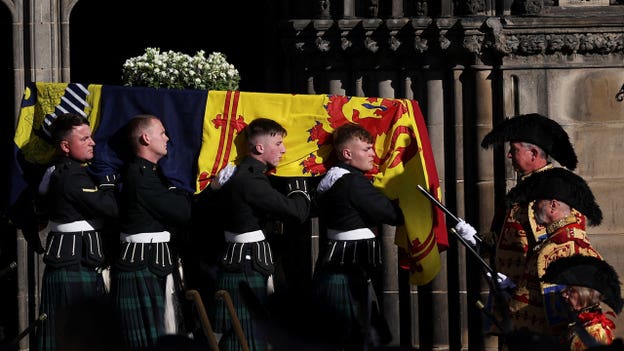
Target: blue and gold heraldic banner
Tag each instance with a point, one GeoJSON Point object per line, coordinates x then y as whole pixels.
{"type": "Point", "coordinates": [205, 130]}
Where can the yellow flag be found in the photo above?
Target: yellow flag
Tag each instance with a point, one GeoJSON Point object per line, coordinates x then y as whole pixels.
{"type": "Point", "coordinates": [403, 155]}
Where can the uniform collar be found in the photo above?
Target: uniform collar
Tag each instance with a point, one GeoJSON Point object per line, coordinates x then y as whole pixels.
{"type": "Point", "coordinates": [69, 162]}
{"type": "Point", "coordinates": [558, 224]}
{"type": "Point", "coordinates": [547, 167]}
{"type": "Point", "coordinates": [255, 165]}
{"type": "Point", "coordinates": [349, 168]}
{"type": "Point", "coordinates": [145, 163]}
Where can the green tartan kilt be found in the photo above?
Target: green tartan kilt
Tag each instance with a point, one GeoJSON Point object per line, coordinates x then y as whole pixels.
{"type": "Point", "coordinates": [229, 281]}
{"type": "Point", "coordinates": [61, 287]}
{"type": "Point", "coordinates": [338, 307]}
{"type": "Point", "coordinates": [140, 302]}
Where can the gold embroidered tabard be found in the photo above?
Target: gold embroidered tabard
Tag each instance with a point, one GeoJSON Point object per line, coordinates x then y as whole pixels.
{"type": "Point", "coordinates": [536, 305]}
{"type": "Point", "coordinates": [518, 235]}
{"type": "Point", "coordinates": [515, 241]}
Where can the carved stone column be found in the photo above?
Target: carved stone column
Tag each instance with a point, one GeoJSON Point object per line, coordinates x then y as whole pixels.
{"type": "Point", "coordinates": [435, 126]}
{"type": "Point", "coordinates": [348, 9]}
{"type": "Point", "coordinates": [397, 8]}
{"type": "Point", "coordinates": [459, 261]}
{"type": "Point", "coordinates": [384, 84]}
{"type": "Point", "coordinates": [46, 50]}
{"type": "Point", "coordinates": [482, 198]}
{"type": "Point", "coordinates": [47, 41]}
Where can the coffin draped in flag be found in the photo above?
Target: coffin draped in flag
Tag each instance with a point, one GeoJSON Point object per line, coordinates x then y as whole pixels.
{"type": "Point", "coordinates": [404, 157]}
{"type": "Point", "coordinates": [108, 109]}
{"type": "Point", "coordinates": [205, 131]}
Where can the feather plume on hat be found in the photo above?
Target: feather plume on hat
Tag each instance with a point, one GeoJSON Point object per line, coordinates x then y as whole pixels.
{"type": "Point", "coordinates": [535, 129]}
{"type": "Point", "coordinates": [563, 185]}
{"type": "Point", "coordinates": [588, 271]}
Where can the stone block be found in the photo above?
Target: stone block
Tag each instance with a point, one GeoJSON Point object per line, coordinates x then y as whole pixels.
{"type": "Point", "coordinates": [583, 3]}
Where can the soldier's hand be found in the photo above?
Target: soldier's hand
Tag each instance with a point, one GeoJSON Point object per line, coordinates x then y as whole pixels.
{"type": "Point", "coordinates": [45, 180]}
{"type": "Point", "coordinates": [504, 282]}
{"type": "Point", "coordinates": [223, 176]}
{"type": "Point", "coordinates": [466, 231]}
{"type": "Point", "coordinates": [297, 185]}
{"type": "Point", "coordinates": [31, 234]}
{"type": "Point", "coordinates": [108, 181]}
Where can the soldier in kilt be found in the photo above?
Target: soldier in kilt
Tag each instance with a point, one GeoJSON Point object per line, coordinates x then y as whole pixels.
{"type": "Point", "coordinates": [145, 290]}
{"type": "Point", "coordinates": [350, 261]}
{"type": "Point", "coordinates": [248, 203]}
{"type": "Point", "coordinates": [79, 208]}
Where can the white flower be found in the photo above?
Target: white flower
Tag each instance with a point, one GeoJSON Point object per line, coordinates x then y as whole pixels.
{"type": "Point", "coordinates": [172, 69]}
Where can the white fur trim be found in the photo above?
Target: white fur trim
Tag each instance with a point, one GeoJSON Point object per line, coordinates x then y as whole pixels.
{"type": "Point", "coordinates": [223, 176]}
{"type": "Point", "coordinates": [330, 178]}
{"type": "Point", "coordinates": [45, 180]}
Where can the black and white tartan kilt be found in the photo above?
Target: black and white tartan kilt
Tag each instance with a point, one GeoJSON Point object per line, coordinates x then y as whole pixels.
{"type": "Point", "coordinates": [62, 287]}
{"type": "Point", "coordinates": [139, 297]}
{"type": "Point", "coordinates": [229, 282]}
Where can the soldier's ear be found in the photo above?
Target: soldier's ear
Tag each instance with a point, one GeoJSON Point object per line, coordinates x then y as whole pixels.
{"type": "Point", "coordinates": [346, 154]}
{"type": "Point", "coordinates": [259, 148]}
{"type": "Point", "coordinates": [144, 139]}
{"type": "Point", "coordinates": [64, 145]}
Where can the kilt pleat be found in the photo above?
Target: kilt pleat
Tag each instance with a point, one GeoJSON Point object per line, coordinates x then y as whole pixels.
{"type": "Point", "coordinates": [336, 305]}
{"type": "Point", "coordinates": [229, 282]}
{"type": "Point", "coordinates": [140, 302]}
{"type": "Point", "coordinates": [61, 287]}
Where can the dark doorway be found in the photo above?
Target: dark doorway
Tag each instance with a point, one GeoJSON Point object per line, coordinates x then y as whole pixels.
{"type": "Point", "coordinates": [103, 34]}
{"type": "Point", "coordinates": [8, 243]}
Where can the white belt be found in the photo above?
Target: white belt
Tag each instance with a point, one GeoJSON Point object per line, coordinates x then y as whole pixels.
{"type": "Point", "coordinates": [155, 237]}
{"type": "Point", "coordinates": [249, 237]}
{"type": "Point", "coordinates": [355, 234]}
{"type": "Point", "coordinates": [76, 226]}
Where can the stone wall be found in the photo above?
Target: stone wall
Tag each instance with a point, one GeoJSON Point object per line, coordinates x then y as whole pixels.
{"type": "Point", "coordinates": [468, 67]}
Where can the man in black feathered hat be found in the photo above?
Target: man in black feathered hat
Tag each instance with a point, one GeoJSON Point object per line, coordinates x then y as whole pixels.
{"type": "Point", "coordinates": [551, 196]}
{"type": "Point", "coordinates": [586, 282]}
{"type": "Point", "coordinates": [533, 141]}
{"type": "Point", "coordinates": [538, 130]}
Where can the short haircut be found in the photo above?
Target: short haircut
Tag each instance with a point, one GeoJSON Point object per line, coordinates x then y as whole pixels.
{"type": "Point", "coordinates": [263, 126]}
{"type": "Point", "coordinates": [541, 153]}
{"type": "Point", "coordinates": [136, 127]}
{"type": "Point", "coordinates": [347, 132]}
{"type": "Point", "coordinates": [587, 296]}
{"type": "Point", "coordinates": [63, 125]}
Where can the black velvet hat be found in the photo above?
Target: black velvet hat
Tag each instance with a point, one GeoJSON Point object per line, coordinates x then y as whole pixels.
{"type": "Point", "coordinates": [563, 185]}
{"type": "Point", "coordinates": [535, 129]}
{"type": "Point", "coordinates": [587, 271]}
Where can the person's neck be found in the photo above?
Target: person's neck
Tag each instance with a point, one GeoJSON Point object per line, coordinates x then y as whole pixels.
{"type": "Point", "coordinates": [537, 166]}
{"type": "Point", "coordinates": [153, 158]}
{"type": "Point", "coordinates": [258, 158]}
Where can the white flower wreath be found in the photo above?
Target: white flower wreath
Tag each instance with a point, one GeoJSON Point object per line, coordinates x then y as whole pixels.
{"type": "Point", "coordinates": [175, 70]}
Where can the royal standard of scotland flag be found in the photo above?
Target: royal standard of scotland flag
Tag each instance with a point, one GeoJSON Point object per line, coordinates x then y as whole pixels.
{"type": "Point", "coordinates": [404, 157]}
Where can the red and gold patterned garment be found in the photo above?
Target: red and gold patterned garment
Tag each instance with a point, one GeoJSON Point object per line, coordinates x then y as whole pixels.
{"type": "Point", "coordinates": [536, 305]}
{"type": "Point", "coordinates": [518, 234]}
{"type": "Point", "coordinates": [598, 325]}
